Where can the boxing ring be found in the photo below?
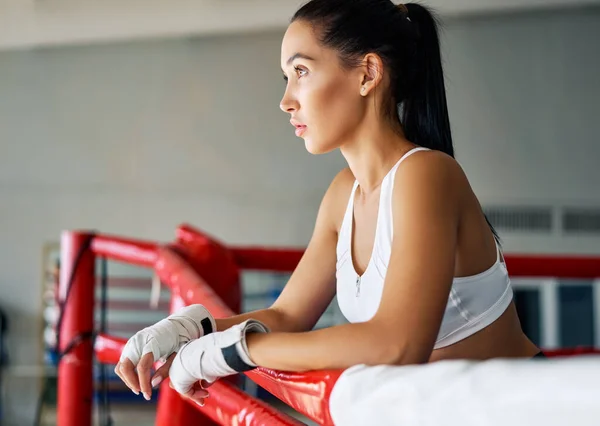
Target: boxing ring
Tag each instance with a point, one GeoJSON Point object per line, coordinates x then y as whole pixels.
{"type": "Point", "coordinates": [198, 269]}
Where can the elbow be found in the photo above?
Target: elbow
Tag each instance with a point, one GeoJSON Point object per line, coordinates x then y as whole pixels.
{"type": "Point", "coordinates": [391, 353]}
{"type": "Point", "coordinates": [380, 348]}
{"type": "Point", "coordinates": [399, 351]}
{"type": "Point", "coordinates": [401, 354]}
{"type": "Point", "coordinates": [383, 350]}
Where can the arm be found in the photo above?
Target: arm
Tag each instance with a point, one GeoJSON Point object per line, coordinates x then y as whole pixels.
{"type": "Point", "coordinates": [417, 283]}
{"type": "Point", "coordinates": [303, 300]}
{"type": "Point", "coordinates": [311, 286]}
{"type": "Point", "coordinates": [270, 317]}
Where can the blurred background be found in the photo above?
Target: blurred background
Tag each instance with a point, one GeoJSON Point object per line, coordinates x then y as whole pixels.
{"type": "Point", "coordinates": [132, 117]}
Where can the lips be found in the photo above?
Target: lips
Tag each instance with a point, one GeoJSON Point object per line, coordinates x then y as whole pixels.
{"type": "Point", "coordinates": [300, 128]}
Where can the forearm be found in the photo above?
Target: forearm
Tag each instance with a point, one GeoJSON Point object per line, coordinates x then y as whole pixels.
{"type": "Point", "coordinates": [336, 347]}
{"type": "Point", "coordinates": [275, 320]}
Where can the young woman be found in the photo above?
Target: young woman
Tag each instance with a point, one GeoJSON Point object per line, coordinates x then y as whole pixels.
{"type": "Point", "coordinates": [400, 236]}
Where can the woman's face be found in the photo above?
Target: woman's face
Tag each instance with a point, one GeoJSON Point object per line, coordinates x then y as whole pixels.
{"type": "Point", "coordinates": [322, 98]}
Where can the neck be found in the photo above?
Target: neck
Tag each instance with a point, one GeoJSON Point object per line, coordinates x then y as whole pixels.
{"type": "Point", "coordinates": [372, 152]}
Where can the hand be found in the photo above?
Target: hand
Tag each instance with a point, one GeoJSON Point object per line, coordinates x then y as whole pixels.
{"type": "Point", "coordinates": [213, 356]}
{"type": "Point", "coordinates": [198, 393]}
{"type": "Point", "coordinates": [161, 341]}
{"type": "Point", "coordinates": [144, 379]}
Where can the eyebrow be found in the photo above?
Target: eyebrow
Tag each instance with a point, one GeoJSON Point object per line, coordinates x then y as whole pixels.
{"type": "Point", "coordinates": [298, 55]}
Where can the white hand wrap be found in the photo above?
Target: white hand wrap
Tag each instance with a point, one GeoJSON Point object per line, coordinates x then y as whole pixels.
{"type": "Point", "coordinates": [169, 334]}
{"type": "Point", "coordinates": [217, 355]}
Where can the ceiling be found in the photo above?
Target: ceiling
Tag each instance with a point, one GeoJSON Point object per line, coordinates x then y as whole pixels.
{"type": "Point", "coordinates": [31, 23]}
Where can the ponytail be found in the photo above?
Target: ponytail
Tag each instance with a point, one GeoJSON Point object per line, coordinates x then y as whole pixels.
{"type": "Point", "coordinates": [424, 110]}
{"type": "Point", "coordinates": [424, 113]}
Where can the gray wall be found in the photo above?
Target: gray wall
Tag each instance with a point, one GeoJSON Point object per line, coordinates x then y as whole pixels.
{"type": "Point", "coordinates": [135, 138]}
{"type": "Point", "coordinates": [523, 93]}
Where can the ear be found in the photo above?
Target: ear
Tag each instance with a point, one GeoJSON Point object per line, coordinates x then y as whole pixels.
{"type": "Point", "coordinates": [372, 73]}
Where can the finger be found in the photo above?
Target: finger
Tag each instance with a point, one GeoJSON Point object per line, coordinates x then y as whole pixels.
{"type": "Point", "coordinates": [199, 395]}
{"type": "Point", "coordinates": [129, 376]}
{"type": "Point", "coordinates": [198, 388]}
{"type": "Point", "coordinates": [144, 370]}
{"type": "Point", "coordinates": [163, 372]}
{"type": "Point", "coordinates": [118, 373]}
{"type": "Point", "coordinates": [204, 384]}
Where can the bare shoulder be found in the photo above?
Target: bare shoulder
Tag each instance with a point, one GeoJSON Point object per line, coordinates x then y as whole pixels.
{"type": "Point", "coordinates": [336, 198]}
{"type": "Point", "coordinates": [428, 172]}
{"type": "Point", "coordinates": [430, 186]}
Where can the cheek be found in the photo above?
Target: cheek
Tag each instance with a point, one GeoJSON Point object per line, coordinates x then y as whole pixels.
{"type": "Point", "coordinates": [333, 111]}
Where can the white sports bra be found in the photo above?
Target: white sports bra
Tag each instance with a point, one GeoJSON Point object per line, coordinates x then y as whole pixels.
{"type": "Point", "coordinates": [473, 304]}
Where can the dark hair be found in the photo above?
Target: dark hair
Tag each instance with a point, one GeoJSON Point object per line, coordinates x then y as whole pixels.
{"type": "Point", "coordinates": [406, 39]}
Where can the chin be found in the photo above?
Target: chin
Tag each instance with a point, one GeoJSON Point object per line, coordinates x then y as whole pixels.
{"type": "Point", "coordinates": [316, 148]}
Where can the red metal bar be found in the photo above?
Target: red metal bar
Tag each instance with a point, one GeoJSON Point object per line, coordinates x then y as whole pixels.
{"type": "Point", "coordinates": [136, 252]}
{"type": "Point", "coordinates": [553, 266]}
{"type": "Point", "coordinates": [189, 235]}
{"type": "Point", "coordinates": [173, 410]}
{"type": "Point", "coordinates": [286, 260]}
{"type": "Point", "coordinates": [108, 348]}
{"type": "Point", "coordinates": [578, 350]}
{"type": "Point", "coordinates": [307, 393]}
{"type": "Point", "coordinates": [211, 260]}
{"type": "Point", "coordinates": [276, 260]}
{"type": "Point", "coordinates": [75, 383]}
{"type": "Point", "coordinates": [185, 283]}
{"type": "Point", "coordinates": [229, 405]}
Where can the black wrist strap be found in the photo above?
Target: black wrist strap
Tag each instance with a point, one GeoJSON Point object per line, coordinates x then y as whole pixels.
{"type": "Point", "coordinates": [207, 327]}
{"type": "Point", "coordinates": [233, 359]}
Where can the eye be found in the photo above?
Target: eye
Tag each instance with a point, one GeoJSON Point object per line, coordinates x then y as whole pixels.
{"type": "Point", "coordinates": [300, 72]}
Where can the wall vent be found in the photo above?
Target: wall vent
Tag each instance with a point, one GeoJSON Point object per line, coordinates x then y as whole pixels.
{"type": "Point", "coordinates": [520, 218]}
{"type": "Point", "coordinates": [581, 220]}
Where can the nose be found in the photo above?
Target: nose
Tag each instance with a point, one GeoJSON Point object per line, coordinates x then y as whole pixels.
{"type": "Point", "coordinates": [288, 103]}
